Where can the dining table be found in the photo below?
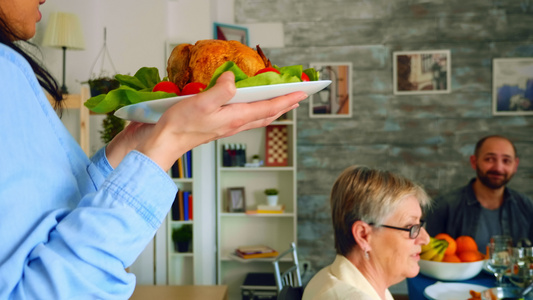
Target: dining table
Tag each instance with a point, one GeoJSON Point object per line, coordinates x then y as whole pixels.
{"type": "Point", "coordinates": [418, 284]}
{"type": "Point", "coordinates": [189, 292]}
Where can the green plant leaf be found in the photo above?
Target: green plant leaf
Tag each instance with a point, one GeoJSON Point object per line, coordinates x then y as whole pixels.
{"type": "Point", "coordinates": [271, 192]}
{"type": "Point", "coordinates": [182, 234]}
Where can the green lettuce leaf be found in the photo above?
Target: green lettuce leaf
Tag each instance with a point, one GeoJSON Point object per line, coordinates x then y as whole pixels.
{"type": "Point", "coordinates": [145, 78]}
{"type": "Point", "coordinates": [227, 66]}
{"type": "Point", "coordinates": [267, 78]}
{"type": "Point", "coordinates": [120, 97]}
{"type": "Point", "coordinates": [295, 71]}
{"type": "Point", "coordinates": [138, 88]}
{"type": "Point", "coordinates": [312, 74]}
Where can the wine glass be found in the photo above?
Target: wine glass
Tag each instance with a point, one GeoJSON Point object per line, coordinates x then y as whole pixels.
{"type": "Point", "coordinates": [522, 267]}
{"type": "Point", "coordinates": [499, 254]}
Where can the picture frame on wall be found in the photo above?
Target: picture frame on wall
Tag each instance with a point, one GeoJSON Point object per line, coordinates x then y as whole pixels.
{"type": "Point", "coordinates": [236, 201]}
{"type": "Point", "coordinates": [230, 32]}
{"type": "Point", "coordinates": [422, 72]}
{"type": "Point", "coordinates": [512, 86]}
{"type": "Point", "coordinates": [334, 101]}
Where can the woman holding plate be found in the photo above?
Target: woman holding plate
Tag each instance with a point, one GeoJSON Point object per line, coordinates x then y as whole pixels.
{"type": "Point", "coordinates": [70, 225]}
{"type": "Point", "coordinates": [378, 235]}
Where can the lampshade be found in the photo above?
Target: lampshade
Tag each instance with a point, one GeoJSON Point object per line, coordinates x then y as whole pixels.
{"type": "Point", "coordinates": [64, 30]}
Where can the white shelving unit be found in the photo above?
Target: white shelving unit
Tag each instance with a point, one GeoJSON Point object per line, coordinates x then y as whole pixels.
{"type": "Point", "coordinates": [180, 264]}
{"type": "Point", "coordinates": [241, 229]}
{"type": "Point", "coordinates": [196, 267]}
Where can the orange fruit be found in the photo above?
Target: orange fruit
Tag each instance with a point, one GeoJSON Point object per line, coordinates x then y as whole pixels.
{"type": "Point", "coordinates": [452, 245]}
{"type": "Point", "coordinates": [470, 256]}
{"type": "Point", "coordinates": [465, 243]}
{"type": "Point", "coordinates": [451, 258]}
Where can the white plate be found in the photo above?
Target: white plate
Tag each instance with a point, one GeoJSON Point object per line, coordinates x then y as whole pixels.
{"type": "Point", "coordinates": [151, 111]}
{"type": "Point", "coordinates": [451, 290]}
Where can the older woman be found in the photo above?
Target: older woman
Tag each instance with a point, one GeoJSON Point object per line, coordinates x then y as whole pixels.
{"type": "Point", "coordinates": [378, 235]}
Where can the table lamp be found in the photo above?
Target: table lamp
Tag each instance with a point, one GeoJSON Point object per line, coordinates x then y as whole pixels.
{"type": "Point", "coordinates": [64, 31]}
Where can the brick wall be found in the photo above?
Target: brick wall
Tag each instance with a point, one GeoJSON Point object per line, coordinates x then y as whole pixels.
{"type": "Point", "coordinates": [425, 137]}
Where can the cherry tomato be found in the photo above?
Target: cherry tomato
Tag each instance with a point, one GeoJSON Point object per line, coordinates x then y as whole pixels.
{"type": "Point", "coordinates": [193, 88]}
{"type": "Point", "coordinates": [305, 77]}
{"type": "Point", "coordinates": [269, 69]}
{"type": "Point", "coordinates": [167, 86]}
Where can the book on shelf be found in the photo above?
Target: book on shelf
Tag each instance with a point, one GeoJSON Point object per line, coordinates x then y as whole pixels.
{"type": "Point", "coordinates": [270, 209]}
{"type": "Point", "coordinates": [182, 208]}
{"type": "Point", "coordinates": [175, 210]}
{"type": "Point", "coordinates": [180, 204]}
{"type": "Point", "coordinates": [182, 168]}
{"type": "Point", "coordinates": [256, 251]}
{"type": "Point", "coordinates": [186, 204]}
{"type": "Point", "coordinates": [190, 206]}
{"type": "Point", "coordinates": [188, 156]}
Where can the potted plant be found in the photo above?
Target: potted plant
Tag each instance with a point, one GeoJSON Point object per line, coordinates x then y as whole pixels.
{"type": "Point", "coordinates": [272, 196]}
{"type": "Point", "coordinates": [182, 238]}
{"type": "Point", "coordinates": [102, 85]}
{"type": "Point", "coordinates": [256, 159]}
{"type": "Point", "coordinates": [112, 125]}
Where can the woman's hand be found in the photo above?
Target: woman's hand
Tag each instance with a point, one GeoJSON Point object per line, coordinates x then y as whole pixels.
{"type": "Point", "coordinates": [127, 140]}
{"type": "Point", "coordinates": [198, 120]}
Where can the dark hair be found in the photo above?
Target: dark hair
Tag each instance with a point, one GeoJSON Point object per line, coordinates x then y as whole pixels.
{"type": "Point", "coordinates": [46, 80]}
{"type": "Point", "coordinates": [480, 143]}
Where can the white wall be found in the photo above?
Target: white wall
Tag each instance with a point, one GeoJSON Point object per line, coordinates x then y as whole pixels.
{"type": "Point", "coordinates": [189, 20]}
{"type": "Point", "coordinates": [136, 34]}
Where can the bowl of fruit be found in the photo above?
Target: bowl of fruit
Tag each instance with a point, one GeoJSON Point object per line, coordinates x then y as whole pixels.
{"type": "Point", "coordinates": [445, 258]}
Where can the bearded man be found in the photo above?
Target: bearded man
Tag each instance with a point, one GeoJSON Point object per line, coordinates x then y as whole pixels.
{"type": "Point", "coordinates": [485, 206]}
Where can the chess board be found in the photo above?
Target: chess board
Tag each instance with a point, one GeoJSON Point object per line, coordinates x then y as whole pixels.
{"type": "Point", "coordinates": [276, 152]}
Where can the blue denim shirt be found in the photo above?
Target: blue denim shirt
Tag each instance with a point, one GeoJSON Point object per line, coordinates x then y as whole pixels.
{"type": "Point", "coordinates": [69, 225]}
{"type": "Point", "coordinates": [457, 213]}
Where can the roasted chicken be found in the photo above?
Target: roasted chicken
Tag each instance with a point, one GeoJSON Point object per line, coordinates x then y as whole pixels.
{"type": "Point", "coordinates": [197, 63]}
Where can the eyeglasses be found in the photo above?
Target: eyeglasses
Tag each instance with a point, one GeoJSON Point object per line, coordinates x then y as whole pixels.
{"type": "Point", "coordinates": [414, 230]}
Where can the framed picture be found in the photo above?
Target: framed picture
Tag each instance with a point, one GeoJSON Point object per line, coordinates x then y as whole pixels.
{"type": "Point", "coordinates": [228, 32]}
{"type": "Point", "coordinates": [422, 72]}
{"type": "Point", "coordinates": [512, 86]}
{"type": "Point", "coordinates": [335, 101]}
{"type": "Point", "coordinates": [235, 199]}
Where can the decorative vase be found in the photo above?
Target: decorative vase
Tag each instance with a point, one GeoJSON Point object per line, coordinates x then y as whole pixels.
{"type": "Point", "coordinates": [272, 200]}
{"type": "Point", "coordinates": [182, 246]}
